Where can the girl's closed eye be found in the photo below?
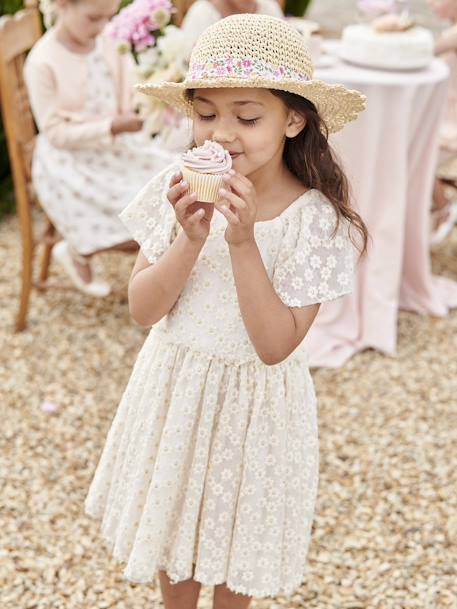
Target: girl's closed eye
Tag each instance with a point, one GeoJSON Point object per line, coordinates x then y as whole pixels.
{"type": "Point", "coordinates": [245, 121]}
{"type": "Point", "coordinates": [205, 117]}
{"type": "Point", "coordinates": [248, 121]}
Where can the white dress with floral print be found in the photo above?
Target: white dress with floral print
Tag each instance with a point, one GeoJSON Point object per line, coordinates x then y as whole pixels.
{"type": "Point", "coordinates": [212, 457]}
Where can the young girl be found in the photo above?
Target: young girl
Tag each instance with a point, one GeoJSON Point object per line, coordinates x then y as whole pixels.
{"type": "Point", "coordinates": [89, 159]}
{"type": "Point", "coordinates": [210, 469]}
{"type": "Point", "coordinates": [204, 13]}
{"type": "Point", "coordinates": [444, 212]}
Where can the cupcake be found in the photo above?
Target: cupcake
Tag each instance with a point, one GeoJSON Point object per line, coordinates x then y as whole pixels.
{"type": "Point", "coordinates": [203, 168]}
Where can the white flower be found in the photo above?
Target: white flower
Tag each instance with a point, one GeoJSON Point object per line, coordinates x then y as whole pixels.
{"type": "Point", "coordinates": [300, 257]}
{"type": "Point", "coordinates": [173, 46]}
{"type": "Point", "coordinates": [323, 287]}
{"type": "Point", "coordinates": [312, 292]}
{"type": "Point", "coordinates": [331, 262]}
{"type": "Point", "coordinates": [226, 497]}
{"type": "Point", "coordinates": [339, 242]}
{"type": "Point", "coordinates": [315, 261]}
{"type": "Point", "coordinates": [217, 489]}
{"type": "Point", "coordinates": [315, 241]}
{"type": "Point", "coordinates": [326, 272]}
{"type": "Point", "coordinates": [147, 62]}
{"type": "Point", "coordinates": [343, 278]}
{"type": "Point", "coordinates": [226, 474]}
{"type": "Point", "coordinates": [297, 283]}
{"type": "Point", "coordinates": [324, 223]}
{"type": "Point", "coordinates": [309, 274]}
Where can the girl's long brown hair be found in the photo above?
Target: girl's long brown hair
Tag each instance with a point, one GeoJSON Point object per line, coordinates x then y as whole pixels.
{"type": "Point", "coordinates": [310, 158]}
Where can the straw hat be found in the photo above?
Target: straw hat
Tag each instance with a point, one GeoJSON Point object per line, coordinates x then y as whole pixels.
{"type": "Point", "coordinates": [251, 50]}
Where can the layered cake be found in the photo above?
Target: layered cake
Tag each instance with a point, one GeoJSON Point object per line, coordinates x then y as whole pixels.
{"type": "Point", "coordinates": [203, 168]}
{"type": "Point", "coordinates": [390, 43]}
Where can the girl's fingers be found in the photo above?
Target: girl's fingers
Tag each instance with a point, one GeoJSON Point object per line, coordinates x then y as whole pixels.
{"type": "Point", "coordinates": [236, 178]}
{"type": "Point", "coordinates": [231, 217]}
{"type": "Point", "coordinates": [176, 191]}
{"type": "Point", "coordinates": [184, 202]}
{"type": "Point", "coordinates": [196, 217]}
{"type": "Point", "coordinates": [175, 178]}
{"type": "Point", "coordinates": [233, 199]}
{"type": "Point", "coordinates": [241, 186]}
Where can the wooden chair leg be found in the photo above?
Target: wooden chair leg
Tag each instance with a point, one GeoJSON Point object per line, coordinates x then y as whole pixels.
{"type": "Point", "coordinates": [27, 274]}
{"type": "Point", "coordinates": [48, 242]}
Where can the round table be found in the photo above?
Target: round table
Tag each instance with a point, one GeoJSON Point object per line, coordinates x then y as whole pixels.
{"type": "Point", "coordinates": [389, 154]}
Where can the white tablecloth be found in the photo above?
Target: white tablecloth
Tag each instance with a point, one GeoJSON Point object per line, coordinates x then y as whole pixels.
{"type": "Point", "coordinates": [389, 154]}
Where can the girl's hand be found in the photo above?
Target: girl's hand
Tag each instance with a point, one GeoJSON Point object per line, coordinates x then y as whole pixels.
{"type": "Point", "coordinates": [239, 207]}
{"type": "Point", "coordinates": [194, 216]}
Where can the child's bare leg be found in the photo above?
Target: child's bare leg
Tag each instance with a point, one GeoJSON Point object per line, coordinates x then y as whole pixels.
{"type": "Point", "coordinates": [183, 595]}
{"type": "Point", "coordinates": [82, 262]}
{"type": "Point", "coordinates": [224, 598]}
{"type": "Point", "coordinates": [82, 265]}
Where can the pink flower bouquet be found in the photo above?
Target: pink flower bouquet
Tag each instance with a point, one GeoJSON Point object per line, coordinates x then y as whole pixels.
{"type": "Point", "coordinates": [140, 24]}
{"type": "Point", "coordinates": [161, 53]}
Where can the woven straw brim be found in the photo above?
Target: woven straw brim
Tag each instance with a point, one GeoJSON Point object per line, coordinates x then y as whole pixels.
{"type": "Point", "coordinates": [336, 104]}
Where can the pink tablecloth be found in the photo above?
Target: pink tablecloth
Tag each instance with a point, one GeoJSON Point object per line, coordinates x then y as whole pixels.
{"type": "Point", "coordinates": [390, 155]}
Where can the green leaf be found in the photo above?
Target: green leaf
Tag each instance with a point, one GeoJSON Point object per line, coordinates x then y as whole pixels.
{"type": "Point", "coordinates": [297, 7]}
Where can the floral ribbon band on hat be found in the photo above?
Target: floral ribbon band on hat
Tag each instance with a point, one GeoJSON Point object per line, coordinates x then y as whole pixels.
{"type": "Point", "coordinates": [243, 68]}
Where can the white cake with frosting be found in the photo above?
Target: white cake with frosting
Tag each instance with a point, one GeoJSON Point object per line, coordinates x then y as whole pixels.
{"type": "Point", "coordinates": [411, 49]}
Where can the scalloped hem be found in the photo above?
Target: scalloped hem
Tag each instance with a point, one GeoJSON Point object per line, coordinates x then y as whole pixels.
{"type": "Point", "coordinates": [284, 590]}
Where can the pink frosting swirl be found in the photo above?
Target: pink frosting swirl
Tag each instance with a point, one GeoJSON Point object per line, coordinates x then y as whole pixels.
{"type": "Point", "coordinates": [209, 158]}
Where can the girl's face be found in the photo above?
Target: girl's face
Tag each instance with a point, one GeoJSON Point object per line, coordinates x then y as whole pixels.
{"type": "Point", "coordinates": [445, 9]}
{"type": "Point", "coordinates": [252, 124]}
{"type": "Point", "coordinates": [86, 19]}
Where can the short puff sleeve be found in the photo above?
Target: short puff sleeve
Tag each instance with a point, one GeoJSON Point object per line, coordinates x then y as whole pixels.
{"type": "Point", "coordinates": [150, 218]}
{"type": "Point", "coordinates": [314, 265]}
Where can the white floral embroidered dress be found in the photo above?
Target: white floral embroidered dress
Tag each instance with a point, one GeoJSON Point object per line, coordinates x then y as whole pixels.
{"type": "Point", "coordinates": [212, 457]}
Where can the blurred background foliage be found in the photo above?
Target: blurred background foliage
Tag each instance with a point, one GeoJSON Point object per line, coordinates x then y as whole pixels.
{"type": "Point", "coordinates": [10, 6]}
{"type": "Point", "coordinates": [297, 7]}
{"type": "Point", "coordinates": [293, 7]}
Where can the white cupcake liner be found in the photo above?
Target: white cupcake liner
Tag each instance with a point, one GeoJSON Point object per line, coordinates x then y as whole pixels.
{"type": "Point", "coordinates": [206, 185]}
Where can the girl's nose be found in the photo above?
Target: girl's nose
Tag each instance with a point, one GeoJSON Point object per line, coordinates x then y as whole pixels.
{"type": "Point", "coordinates": [222, 136]}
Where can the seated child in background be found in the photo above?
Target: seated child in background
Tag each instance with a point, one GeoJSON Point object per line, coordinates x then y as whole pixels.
{"type": "Point", "coordinates": [91, 156]}
{"type": "Point", "coordinates": [204, 13]}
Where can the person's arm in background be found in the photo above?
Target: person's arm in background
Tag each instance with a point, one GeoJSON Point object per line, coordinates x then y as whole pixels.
{"type": "Point", "coordinates": [65, 129]}
{"type": "Point", "coordinates": [200, 15]}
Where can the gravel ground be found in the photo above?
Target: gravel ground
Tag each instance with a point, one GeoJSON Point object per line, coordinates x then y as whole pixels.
{"type": "Point", "coordinates": [385, 533]}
